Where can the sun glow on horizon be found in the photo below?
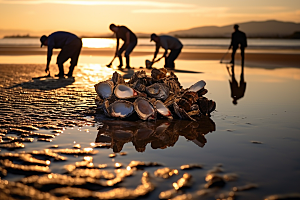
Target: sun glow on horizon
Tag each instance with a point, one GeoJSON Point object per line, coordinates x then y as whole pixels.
{"type": "Point", "coordinates": [98, 42]}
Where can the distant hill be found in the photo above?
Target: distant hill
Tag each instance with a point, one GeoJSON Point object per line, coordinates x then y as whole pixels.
{"type": "Point", "coordinates": [270, 28]}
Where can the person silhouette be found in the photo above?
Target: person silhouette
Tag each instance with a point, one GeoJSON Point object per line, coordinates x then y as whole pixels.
{"type": "Point", "coordinates": [238, 38]}
{"type": "Point", "coordinates": [70, 46]}
{"type": "Point", "coordinates": [130, 41]}
{"type": "Point", "coordinates": [237, 90]}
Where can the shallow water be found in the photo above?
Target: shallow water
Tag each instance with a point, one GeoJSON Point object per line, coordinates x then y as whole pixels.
{"type": "Point", "coordinates": [257, 139]}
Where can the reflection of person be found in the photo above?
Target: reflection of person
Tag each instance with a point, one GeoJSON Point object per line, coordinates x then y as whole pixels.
{"type": "Point", "coordinates": [237, 91]}
{"type": "Point", "coordinates": [238, 38]}
{"type": "Point", "coordinates": [167, 42]}
{"type": "Point", "coordinates": [70, 46]}
{"type": "Point", "coordinates": [130, 41]}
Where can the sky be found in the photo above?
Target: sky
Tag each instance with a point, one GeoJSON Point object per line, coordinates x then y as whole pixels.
{"type": "Point", "coordinates": [159, 16]}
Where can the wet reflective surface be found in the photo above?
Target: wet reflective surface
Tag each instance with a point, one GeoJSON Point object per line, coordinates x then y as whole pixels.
{"type": "Point", "coordinates": [54, 146]}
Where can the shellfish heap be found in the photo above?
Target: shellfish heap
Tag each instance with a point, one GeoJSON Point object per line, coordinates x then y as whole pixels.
{"type": "Point", "coordinates": [150, 97]}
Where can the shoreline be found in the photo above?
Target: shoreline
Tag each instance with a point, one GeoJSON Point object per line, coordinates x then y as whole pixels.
{"type": "Point", "coordinates": [268, 59]}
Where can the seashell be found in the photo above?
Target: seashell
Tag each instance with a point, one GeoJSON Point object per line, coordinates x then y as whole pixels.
{"type": "Point", "coordinates": [139, 85]}
{"type": "Point", "coordinates": [157, 74]}
{"type": "Point", "coordinates": [120, 109]}
{"type": "Point", "coordinates": [184, 104]}
{"type": "Point", "coordinates": [169, 101]}
{"type": "Point", "coordinates": [137, 75]}
{"type": "Point", "coordinates": [191, 97]}
{"type": "Point", "coordinates": [163, 110]}
{"type": "Point", "coordinates": [117, 78]}
{"type": "Point", "coordinates": [104, 89]}
{"type": "Point", "coordinates": [158, 91]}
{"type": "Point", "coordinates": [181, 113]}
{"type": "Point", "coordinates": [125, 92]}
{"type": "Point", "coordinates": [197, 86]}
{"type": "Point", "coordinates": [105, 108]}
{"type": "Point", "coordinates": [144, 109]}
{"type": "Point", "coordinates": [206, 106]}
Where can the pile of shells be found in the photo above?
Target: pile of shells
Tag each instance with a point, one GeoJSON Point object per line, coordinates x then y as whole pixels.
{"type": "Point", "coordinates": [150, 97]}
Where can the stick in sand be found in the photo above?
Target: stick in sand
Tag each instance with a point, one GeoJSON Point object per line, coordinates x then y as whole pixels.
{"type": "Point", "coordinates": [221, 61]}
{"type": "Point", "coordinates": [109, 65]}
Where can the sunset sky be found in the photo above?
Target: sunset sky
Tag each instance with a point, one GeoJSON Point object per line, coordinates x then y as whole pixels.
{"type": "Point", "coordinates": [159, 16]}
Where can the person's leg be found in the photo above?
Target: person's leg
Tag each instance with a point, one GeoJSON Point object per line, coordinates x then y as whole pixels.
{"type": "Point", "coordinates": [129, 49]}
{"type": "Point", "coordinates": [232, 54]}
{"type": "Point", "coordinates": [171, 58]}
{"type": "Point", "coordinates": [76, 46]}
{"type": "Point", "coordinates": [62, 57]}
{"type": "Point", "coordinates": [243, 54]}
{"type": "Point", "coordinates": [120, 54]}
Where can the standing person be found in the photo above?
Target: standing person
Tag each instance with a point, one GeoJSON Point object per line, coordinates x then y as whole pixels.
{"type": "Point", "coordinates": [167, 42]}
{"type": "Point", "coordinates": [238, 38]}
{"type": "Point", "coordinates": [130, 41]}
{"type": "Point", "coordinates": [70, 46]}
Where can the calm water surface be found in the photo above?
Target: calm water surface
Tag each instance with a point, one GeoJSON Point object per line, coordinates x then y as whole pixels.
{"type": "Point", "coordinates": [258, 139]}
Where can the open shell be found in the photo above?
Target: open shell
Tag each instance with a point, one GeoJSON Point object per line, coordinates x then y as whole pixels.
{"type": "Point", "coordinates": [120, 109]}
{"type": "Point", "coordinates": [158, 91]}
{"type": "Point", "coordinates": [181, 113]}
{"type": "Point", "coordinates": [125, 92]}
{"type": "Point", "coordinates": [206, 106]}
{"type": "Point", "coordinates": [163, 110]}
{"type": "Point", "coordinates": [144, 109]}
{"type": "Point", "coordinates": [104, 89]}
{"type": "Point", "coordinates": [197, 86]}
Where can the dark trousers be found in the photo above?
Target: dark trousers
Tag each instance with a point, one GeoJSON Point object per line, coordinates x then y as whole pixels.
{"type": "Point", "coordinates": [128, 49]}
{"type": "Point", "coordinates": [169, 61]}
{"type": "Point", "coordinates": [71, 50]}
{"type": "Point", "coordinates": [242, 54]}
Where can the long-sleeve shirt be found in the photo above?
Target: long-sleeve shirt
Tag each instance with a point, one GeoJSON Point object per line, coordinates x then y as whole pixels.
{"type": "Point", "coordinates": [167, 42]}
{"type": "Point", "coordinates": [57, 40]}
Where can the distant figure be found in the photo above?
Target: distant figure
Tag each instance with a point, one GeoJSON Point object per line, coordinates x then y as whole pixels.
{"type": "Point", "coordinates": [238, 38]}
{"type": "Point", "coordinates": [237, 91]}
{"type": "Point", "coordinates": [130, 41]}
{"type": "Point", "coordinates": [167, 42]}
{"type": "Point", "coordinates": [70, 46]}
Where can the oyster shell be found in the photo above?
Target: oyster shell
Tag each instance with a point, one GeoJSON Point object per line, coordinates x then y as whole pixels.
{"type": "Point", "coordinates": [120, 109]}
{"type": "Point", "coordinates": [117, 78]}
{"type": "Point", "coordinates": [125, 92]}
{"type": "Point", "coordinates": [158, 91]}
{"type": "Point", "coordinates": [163, 110]}
{"type": "Point", "coordinates": [181, 113]}
{"type": "Point", "coordinates": [206, 106]}
{"type": "Point", "coordinates": [197, 86]}
{"type": "Point", "coordinates": [144, 109]}
{"type": "Point", "coordinates": [104, 89]}
{"type": "Point", "coordinates": [157, 74]}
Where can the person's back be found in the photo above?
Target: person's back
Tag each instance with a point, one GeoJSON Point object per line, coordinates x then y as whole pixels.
{"type": "Point", "coordinates": [239, 37]}
{"type": "Point", "coordinates": [60, 38]}
{"type": "Point", "coordinates": [169, 42]}
{"type": "Point", "coordinates": [122, 34]}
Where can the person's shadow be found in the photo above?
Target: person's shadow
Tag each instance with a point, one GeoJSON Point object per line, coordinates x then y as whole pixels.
{"type": "Point", "coordinates": [45, 83]}
{"type": "Point", "coordinates": [237, 90]}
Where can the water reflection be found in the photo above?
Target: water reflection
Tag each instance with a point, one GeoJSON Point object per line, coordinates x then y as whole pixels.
{"type": "Point", "coordinates": [160, 134]}
{"type": "Point", "coordinates": [237, 90]}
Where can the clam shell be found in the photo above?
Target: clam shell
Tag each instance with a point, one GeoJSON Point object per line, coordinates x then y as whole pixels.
{"type": "Point", "coordinates": [197, 86]}
{"type": "Point", "coordinates": [104, 89]}
{"type": "Point", "coordinates": [163, 110]}
{"type": "Point", "coordinates": [181, 113]}
{"type": "Point", "coordinates": [125, 92]}
{"type": "Point", "coordinates": [206, 106]}
{"type": "Point", "coordinates": [158, 91]}
{"type": "Point", "coordinates": [120, 109]}
{"type": "Point", "coordinates": [144, 109]}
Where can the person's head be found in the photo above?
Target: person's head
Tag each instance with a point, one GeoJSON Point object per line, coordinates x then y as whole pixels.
{"type": "Point", "coordinates": [154, 37]}
{"type": "Point", "coordinates": [44, 40]}
{"type": "Point", "coordinates": [113, 28]}
{"type": "Point", "coordinates": [236, 27]}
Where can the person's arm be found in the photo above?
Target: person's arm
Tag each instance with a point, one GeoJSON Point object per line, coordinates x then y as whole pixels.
{"type": "Point", "coordinates": [117, 46]}
{"type": "Point", "coordinates": [231, 41]}
{"type": "Point", "coordinates": [156, 51]}
{"type": "Point", "coordinates": [49, 55]}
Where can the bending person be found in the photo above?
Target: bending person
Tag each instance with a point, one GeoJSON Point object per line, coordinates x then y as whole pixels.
{"type": "Point", "coordinates": [130, 41]}
{"type": "Point", "coordinates": [70, 46]}
{"type": "Point", "coordinates": [167, 42]}
{"type": "Point", "coordinates": [238, 38]}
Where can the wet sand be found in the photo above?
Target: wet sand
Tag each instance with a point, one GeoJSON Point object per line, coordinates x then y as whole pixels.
{"type": "Point", "coordinates": [268, 59]}
{"type": "Point", "coordinates": [250, 148]}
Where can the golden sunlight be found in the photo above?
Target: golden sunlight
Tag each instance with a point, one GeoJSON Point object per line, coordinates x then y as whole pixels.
{"type": "Point", "coordinates": [98, 42]}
